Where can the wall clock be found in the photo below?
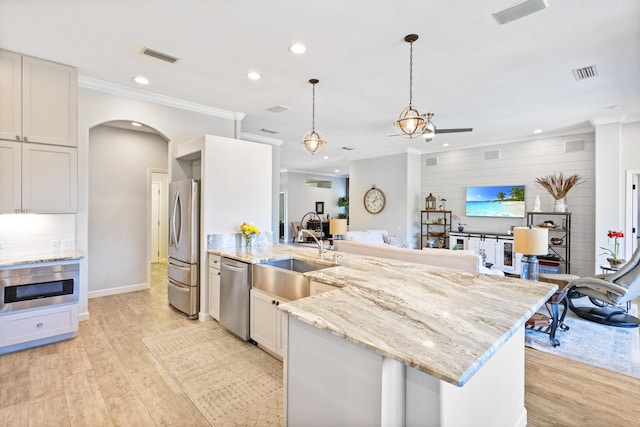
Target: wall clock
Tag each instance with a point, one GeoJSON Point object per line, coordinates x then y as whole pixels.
{"type": "Point", "coordinates": [374, 200]}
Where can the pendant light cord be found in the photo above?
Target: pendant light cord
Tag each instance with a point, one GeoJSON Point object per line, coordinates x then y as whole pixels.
{"type": "Point", "coordinates": [410, 73]}
{"type": "Point", "coordinates": [313, 108]}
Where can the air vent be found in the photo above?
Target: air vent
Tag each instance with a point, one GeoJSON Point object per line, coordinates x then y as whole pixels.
{"type": "Point", "coordinates": [269, 131]}
{"type": "Point", "coordinates": [492, 155]}
{"type": "Point", "coordinates": [159, 55]}
{"type": "Point", "coordinates": [570, 146]}
{"type": "Point", "coordinates": [348, 148]}
{"type": "Point", "coordinates": [432, 161]}
{"type": "Point", "coordinates": [519, 10]}
{"type": "Point", "coordinates": [585, 72]}
{"type": "Point", "coordinates": [278, 109]}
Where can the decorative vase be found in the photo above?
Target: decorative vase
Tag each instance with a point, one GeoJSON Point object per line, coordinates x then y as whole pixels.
{"type": "Point", "coordinates": [248, 240]}
{"type": "Point", "coordinates": [560, 205]}
{"type": "Point", "coordinates": [616, 262]}
{"type": "Point", "coordinates": [536, 204]}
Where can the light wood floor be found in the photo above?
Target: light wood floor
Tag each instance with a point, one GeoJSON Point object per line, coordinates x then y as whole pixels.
{"type": "Point", "coordinates": [106, 376]}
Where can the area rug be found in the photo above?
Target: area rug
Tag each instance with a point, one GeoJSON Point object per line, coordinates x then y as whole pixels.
{"type": "Point", "coordinates": [230, 381]}
{"type": "Point", "coordinates": [608, 347]}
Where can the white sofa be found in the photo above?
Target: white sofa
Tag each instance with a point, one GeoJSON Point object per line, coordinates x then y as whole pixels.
{"type": "Point", "coordinates": [461, 260]}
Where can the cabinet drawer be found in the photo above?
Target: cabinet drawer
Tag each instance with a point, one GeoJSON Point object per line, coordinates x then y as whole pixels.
{"type": "Point", "coordinates": [36, 324]}
{"type": "Point", "coordinates": [214, 261]}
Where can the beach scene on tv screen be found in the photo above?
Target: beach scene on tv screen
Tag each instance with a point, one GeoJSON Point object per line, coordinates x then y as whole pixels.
{"type": "Point", "coordinates": [500, 200]}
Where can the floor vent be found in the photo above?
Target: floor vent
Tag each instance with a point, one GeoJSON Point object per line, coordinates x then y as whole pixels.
{"type": "Point", "coordinates": [492, 155]}
{"type": "Point", "coordinates": [432, 161]}
{"type": "Point", "coordinates": [585, 72]}
{"type": "Point", "coordinates": [570, 146]}
{"type": "Point", "coordinates": [159, 55]}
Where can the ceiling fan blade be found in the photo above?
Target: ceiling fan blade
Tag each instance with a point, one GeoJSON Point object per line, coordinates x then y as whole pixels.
{"type": "Point", "coordinates": [454, 130]}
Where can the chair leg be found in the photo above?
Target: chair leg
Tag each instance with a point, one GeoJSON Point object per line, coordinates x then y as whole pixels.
{"type": "Point", "coordinates": [612, 316]}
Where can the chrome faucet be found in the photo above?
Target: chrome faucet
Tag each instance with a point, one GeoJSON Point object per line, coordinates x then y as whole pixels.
{"type": "Point", "coordinates": [321, 249]}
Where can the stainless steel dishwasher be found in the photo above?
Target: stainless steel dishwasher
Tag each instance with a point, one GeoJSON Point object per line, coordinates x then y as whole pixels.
{"type": "Point", "coordinates": [235, 283]}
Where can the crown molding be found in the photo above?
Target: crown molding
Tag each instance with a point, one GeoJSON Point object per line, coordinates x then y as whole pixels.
{"type": "Point", "coordinates": [90, 83]}
{"type": "Point", "coordinates": [260, 138]}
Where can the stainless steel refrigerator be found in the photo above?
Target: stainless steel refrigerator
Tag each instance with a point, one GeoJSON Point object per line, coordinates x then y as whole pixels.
{"type": "Point", "coordinates": [184, 246]}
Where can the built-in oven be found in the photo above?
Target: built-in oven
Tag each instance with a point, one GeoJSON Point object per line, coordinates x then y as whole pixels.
{"type": "Point", "coordinates": [22, 288]}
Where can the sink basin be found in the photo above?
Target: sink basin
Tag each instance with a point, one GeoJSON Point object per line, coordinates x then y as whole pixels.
{"type": "Point", "coordinates": [283, 278]}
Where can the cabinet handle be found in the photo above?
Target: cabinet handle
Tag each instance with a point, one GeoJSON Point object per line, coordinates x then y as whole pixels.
{"type": "Point", "coordinates": [277, 302]}
{"type": "Point", "coordinates": [25, 210]}
{"type": "Point", "coordinates": [39, 325]}
{"type": "Point", "coordinates": [17, 137]}
{"type": "Point", "coordinates": [24, 138]}
{"type": "Point", "coordinates": [17, 210]}
{"type": "Point", "coordinates": [273, 302]}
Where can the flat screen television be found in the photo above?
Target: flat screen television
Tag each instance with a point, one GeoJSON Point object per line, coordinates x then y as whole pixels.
{"type": "Point", "coordinates": [505, 201]}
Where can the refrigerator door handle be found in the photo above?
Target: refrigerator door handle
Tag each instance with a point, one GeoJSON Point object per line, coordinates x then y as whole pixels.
{"type": "Point", "coordinates": [176, 215]}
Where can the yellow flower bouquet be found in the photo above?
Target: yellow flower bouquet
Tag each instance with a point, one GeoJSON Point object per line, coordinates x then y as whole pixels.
{"type": "Point", "coordinates": [248, 231]}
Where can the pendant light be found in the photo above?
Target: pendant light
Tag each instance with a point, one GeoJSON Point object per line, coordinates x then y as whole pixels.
{"type": "Point", "coordinates": [412, 119]}
{"type": "Point", "coordinates": [313, 141]}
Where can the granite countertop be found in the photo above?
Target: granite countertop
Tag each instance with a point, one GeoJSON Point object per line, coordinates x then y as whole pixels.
{"type": "Point", "coordinates": [14, 259]}
{"type": "Point", "coordinates": [446, 323]}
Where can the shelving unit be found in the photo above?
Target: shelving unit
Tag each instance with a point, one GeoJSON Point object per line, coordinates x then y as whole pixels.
{"type": "Point", "coordinates": [562, 230]}
{"type": "Point", "coordinates": [435, 226]}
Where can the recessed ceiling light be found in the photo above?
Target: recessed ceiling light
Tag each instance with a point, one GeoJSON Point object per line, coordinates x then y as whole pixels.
{"type": "Point", "coordinates": [337, 170]}
{"type": "Point", "coordinates": [537, 131]}
{"type": "Point", "coordinates": [297, 48]}
{"type": "Point", "coordinates": [253, 75]}
{"type": "Point", "coordinates": [136, 124]}
{"type": "Point", "coordinates": [326, 157]}
{"type": "Point", "coordinates": [445, 145]}
{"type": "Point", "coordinates": [140, 80]}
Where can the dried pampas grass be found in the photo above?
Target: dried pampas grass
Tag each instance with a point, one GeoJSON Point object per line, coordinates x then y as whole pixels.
{"type": "Point", "coordinates": [558, 185]}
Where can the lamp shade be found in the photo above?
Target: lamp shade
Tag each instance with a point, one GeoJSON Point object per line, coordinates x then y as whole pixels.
{"type": "Point", "coordinates": [337, 226]}
{"type": "Point", "coordinates": [531, 241]}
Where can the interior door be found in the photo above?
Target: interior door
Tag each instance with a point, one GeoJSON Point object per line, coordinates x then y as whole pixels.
{"type": "Point", "coordinates": [155, 222]}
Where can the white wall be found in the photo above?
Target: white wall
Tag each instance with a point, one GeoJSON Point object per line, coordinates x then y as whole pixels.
{"type": "Point", "coordinates": [392, 175]}
{"type": "Point", "coordinates": [118, 196]}
{"type": "Point", "coordinates": [162, 179]}
{"type": "Point", "coordinates": [302, 199]}
{"type": "Point", "coordinates": [94, 108]}
{"type": "Point", "coordinates": [520, 164]}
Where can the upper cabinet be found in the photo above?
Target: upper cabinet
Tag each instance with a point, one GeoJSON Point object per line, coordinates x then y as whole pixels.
{"type": "Point", "coordinates": [38, 100]}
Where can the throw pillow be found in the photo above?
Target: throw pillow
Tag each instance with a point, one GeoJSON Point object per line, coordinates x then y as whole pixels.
{"type": "Point", "coordinates": [393, 241]}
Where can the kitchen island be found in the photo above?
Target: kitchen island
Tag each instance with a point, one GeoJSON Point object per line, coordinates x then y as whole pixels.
{"type": "Point", "coordinates": [406, 344]}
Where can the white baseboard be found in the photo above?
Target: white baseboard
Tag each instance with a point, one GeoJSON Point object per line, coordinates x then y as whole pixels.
{"type": "Point", "coordinates": [120, 290]}
{"type": "Point", "coordinates": [83, 316]}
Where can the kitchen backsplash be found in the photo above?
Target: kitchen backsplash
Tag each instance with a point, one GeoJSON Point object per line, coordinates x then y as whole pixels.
{"type": "Point", "coordinates": [36, 233]}
{"type": "Point", "coordinates": [236, 240]}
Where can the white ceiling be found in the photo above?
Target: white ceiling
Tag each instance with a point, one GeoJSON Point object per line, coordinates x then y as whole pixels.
{"type": "Point", "coordinates": [502, 80]}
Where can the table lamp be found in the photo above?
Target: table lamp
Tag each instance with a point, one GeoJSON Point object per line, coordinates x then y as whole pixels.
{"type": "Point", "coordinates": [530, 242]}
{"type": "Point", "coordinates": [337, 228]}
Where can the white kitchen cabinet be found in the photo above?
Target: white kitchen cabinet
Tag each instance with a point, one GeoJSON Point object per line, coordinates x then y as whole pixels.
{"type": "Point", "coordinates": [316, 288]}
{"type": "Point", "coordinates": [38, 178]}
{"type": "Point", "coordinates": [37, 326]}
{"type": "Point", "coordinates": [498, 249]}
{"type": "Point", "coordinates": [214, 286]}
{"type": "Point", "coordinates": [38, 100]}
{"type": "Point", "coordinates": [266, 321]}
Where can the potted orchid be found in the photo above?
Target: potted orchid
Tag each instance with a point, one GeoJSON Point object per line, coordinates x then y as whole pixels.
{"type": "Point", "coordinates": [614, 261]}
{"type": "Point", "coordinates": [248, 231]}
{"type": "Point", "coordinates": [460, 224]}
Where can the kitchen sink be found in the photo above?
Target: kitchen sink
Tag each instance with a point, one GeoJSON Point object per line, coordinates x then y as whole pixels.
{"type": "Point", "coordinates": [283, 278]}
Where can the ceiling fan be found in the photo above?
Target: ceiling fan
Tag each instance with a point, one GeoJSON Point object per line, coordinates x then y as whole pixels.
{"type": "Point", "coordinates": [429, 130]}
{"type": "Point", "coordinates": [413, 121]}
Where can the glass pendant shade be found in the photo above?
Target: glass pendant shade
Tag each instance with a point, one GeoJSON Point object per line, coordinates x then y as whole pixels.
{"type": "Point", "coordinates": [429, 129]}
{"type": "Point", "coordinates": [313, 142]}
{"type": "Point", "coordinates": [410, 122]}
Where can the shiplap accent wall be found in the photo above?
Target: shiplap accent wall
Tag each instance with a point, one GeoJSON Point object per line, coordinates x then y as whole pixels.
{"type": "Point", "coordinates": [520, 163]}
